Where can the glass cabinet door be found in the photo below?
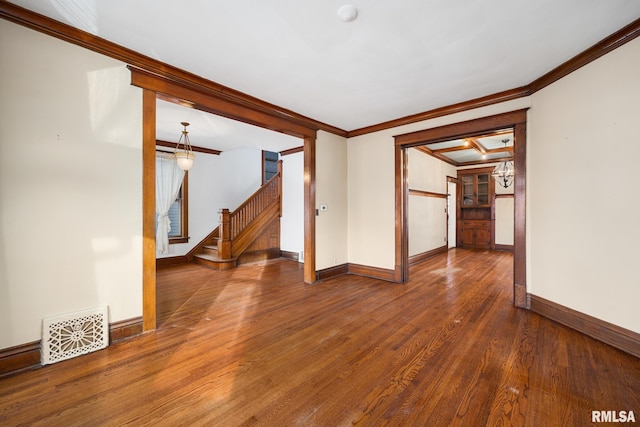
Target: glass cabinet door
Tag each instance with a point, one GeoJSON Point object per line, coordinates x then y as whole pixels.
{"type": "Point", "coordinates": [467, 190]}
{"type": "Point", "coordinates": [483, 189]}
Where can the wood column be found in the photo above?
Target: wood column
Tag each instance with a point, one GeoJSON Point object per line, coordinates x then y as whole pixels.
{"type": "Point", "coordinates": [309, 209]}
{"type": "Point", "coordinates": [280, 188]}
{"type": "Point", "coordinates": [520, 298]}
{"type": "Point", "coordinates": [224, 240]}
{"type": "Point", "coordinates": [401, 268]}
{"type": "Point", "coordinates": [148, 210]}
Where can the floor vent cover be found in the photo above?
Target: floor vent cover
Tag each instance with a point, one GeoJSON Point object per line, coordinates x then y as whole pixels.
{"type": "Point", "coordinates": [64, 337]}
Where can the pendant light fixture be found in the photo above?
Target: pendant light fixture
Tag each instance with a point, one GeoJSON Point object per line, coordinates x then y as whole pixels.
{"type": "Point", "coordinates": [184, 155]}
{"type": "Point", "coordinates": [504, 172]}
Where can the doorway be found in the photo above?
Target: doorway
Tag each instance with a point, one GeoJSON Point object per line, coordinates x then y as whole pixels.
{"type": "Point", "coordinates": [516, 121]}
{"type": "Point", "coordinates": [156, 86]}
{"type": "Point", "coordinates": [451, 212]}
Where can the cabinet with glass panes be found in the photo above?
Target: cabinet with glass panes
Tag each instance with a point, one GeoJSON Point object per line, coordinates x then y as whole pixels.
{"type": "Point", "coordinates": [475, 189]}
{"type": "Point", "coordinates": [475, 225]}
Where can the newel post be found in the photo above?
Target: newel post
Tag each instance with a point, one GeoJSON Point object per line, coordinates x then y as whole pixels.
{"type": "Point", "coordinates": [224, 240]}
{"type": "Point", "coordinates": [280, 187]}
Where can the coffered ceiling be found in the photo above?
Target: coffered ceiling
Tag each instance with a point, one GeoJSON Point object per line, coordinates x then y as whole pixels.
{"type": "Point", "coordinates": [490, 148]}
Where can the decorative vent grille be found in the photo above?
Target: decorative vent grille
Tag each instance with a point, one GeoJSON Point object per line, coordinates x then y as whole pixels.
{"type": "Point", "coordinates": [64, 337]}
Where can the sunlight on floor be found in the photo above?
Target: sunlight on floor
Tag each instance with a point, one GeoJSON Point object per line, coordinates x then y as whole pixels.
{"type": "Point", "coordinates": [238, 303]}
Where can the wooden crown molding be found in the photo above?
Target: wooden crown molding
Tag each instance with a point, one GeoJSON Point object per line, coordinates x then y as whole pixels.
{"type": "Point", "coordinates": [195, 148]}
{"type": "Point", "coordinates": [614, 41]}
{"type": "Point", "coordinates": [43, 24]}
{"type": "Point", "coordinates": [292, 151]}
{"type": "Point", "coordinates": [205, 99]}
{"type": "Point", "coordinates": [461, 129]}
{"type": "Point", "coordinates": [495, 98]}
{"type": "Point", "coordinates": [89, 41]}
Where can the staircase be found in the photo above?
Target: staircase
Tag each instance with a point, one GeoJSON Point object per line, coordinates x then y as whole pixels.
{"type": "Point", "coordinates": [250, 233]}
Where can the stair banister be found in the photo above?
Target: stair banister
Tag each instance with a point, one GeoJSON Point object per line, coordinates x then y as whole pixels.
{"type": "Point", "coordinates": [233, 223]}
{"type": "Point", "coordinates": [224, 241]}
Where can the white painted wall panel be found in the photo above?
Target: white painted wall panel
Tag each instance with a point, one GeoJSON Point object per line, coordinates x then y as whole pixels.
{"type": "Point", "coordinates": [331, 190]}
{"type": "Point", "coordinates": [70, 184]}
{"type": "Point", "coordinates": [292, 221]}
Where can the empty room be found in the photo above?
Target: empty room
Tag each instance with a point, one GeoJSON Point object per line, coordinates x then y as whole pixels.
{"type": "Point", "coordinates": [319, 213]}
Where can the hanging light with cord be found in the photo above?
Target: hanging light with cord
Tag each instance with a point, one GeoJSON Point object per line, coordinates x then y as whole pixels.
{"type": "Point", "coordinates": [504, 172]}
{"type": "Point", "coordinates": [184, 155]}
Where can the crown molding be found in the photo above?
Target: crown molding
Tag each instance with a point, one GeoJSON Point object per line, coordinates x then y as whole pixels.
{"type": "Point", "coordinates": [495, 98]}
{"type": "Point", "coordinates": [59, 30]}
{"type": "Point", "coordinates": [169, 144]}
{"type": "Point", "coordinates": [89, 41]}
{"type": "Point", "coordinates": [614, 41]}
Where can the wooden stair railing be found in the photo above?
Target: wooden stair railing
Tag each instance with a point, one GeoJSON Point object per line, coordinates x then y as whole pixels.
{"type": "Point", "coordinates": [208, 242]}
{"type": "Point", "coordinates": [235, 226]}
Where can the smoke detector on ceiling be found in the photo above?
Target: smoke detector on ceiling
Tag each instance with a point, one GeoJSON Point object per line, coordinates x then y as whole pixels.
{"type": "Point", "coordinates": [348, 13]}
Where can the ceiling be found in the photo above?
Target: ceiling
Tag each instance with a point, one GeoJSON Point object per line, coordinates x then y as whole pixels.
{"type": "Point", "coordinates": [490, 148]}
{"type": "Point", "coordinates": [396, 59]}
{"type": "Point", "coordinates": [217, 132]}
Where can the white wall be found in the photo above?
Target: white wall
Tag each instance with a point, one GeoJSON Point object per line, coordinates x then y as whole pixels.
{"type": "Point", "coordinates": [427, 224]}
{"type": "Point", "coordinates": [70, 184]}
{"type": "Point", "coordinates": [292, 221]}
{"type": "Point", "coordinates": [227, 180]}
{"type": "Point", "coordinates": [504, 210]}
{"type": "Point", "coordinates": [70, 224]}
{"type": "Point", "coordinates": [582, 227]}
{"type": "Point", "coordinates": [427, 215]}
{"type": "Point", "coordinates": [371, 180]}
{"type": "Point", "coordinates": [331, 190]}
{"type": "Point", "coordinates": [217, 182]}
{"type": "Point", "coordinates": [583, 197]}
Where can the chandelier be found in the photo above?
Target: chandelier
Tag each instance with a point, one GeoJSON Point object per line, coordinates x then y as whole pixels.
{"type": "Point", "coordinates": [504, 172]}
{"type": "Point", "coordinates": [184, 155]}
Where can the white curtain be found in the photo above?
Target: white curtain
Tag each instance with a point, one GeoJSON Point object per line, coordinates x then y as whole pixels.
{"type": "Point", "coordinates": [168, 181]}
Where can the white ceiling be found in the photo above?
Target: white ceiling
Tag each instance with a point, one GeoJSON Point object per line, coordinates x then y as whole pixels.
{"type": "Point", "coordinates": [216, 132]}
{"type": "Point", "coordinates": [397, 58]}
{"type": "Point", "coordinates": [496, 146]}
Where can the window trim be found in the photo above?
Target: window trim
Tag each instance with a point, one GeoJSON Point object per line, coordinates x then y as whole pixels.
{"type": "Point", "coordinates": [184, 214]}
{"type": "Point", "coordinates": [264, 163]}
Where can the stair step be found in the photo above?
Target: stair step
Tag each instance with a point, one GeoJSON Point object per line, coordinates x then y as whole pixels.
{"type": "Point", "coordinates": [210, 250]}
{"type": "Point", "coordinates": [215, 262]}
{"type": "Point", "coordinates": [210, 257]}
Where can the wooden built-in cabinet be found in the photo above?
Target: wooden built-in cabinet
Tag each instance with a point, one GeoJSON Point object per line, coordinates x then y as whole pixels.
{"type": "Point", "coordinates": [475, 216]}
{"type": "Point", "coordinates": [476, 234]}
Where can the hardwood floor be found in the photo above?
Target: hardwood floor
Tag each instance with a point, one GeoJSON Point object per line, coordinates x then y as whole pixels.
{"type": "Point", "coordinates": [256, 346]}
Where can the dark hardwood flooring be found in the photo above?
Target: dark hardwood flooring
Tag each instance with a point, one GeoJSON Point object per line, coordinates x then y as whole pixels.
{"type": "Point", "coordinates": [256, 346]}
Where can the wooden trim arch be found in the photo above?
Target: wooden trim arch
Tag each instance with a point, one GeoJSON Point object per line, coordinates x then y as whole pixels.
{"type": "Point", "coordinates": [517, 120]}
{"type": "Point", "coordinates": [161, 87]}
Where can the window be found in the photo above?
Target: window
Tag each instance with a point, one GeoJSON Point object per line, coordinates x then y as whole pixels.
{"type": "Point", "coordinates": [175, 215]}
{"type": "Point", "coordinates": [179, 215]}
{"type": "Point", "coordinates": [269, 165]}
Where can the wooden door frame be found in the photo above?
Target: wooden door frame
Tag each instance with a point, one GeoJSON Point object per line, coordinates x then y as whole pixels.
{"type": "Point", "coordinates": [517, 120]}
{"type": "Point", "coordinates": [158, 87]}
{"type": "Point", "coordinates": [451, 180]}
